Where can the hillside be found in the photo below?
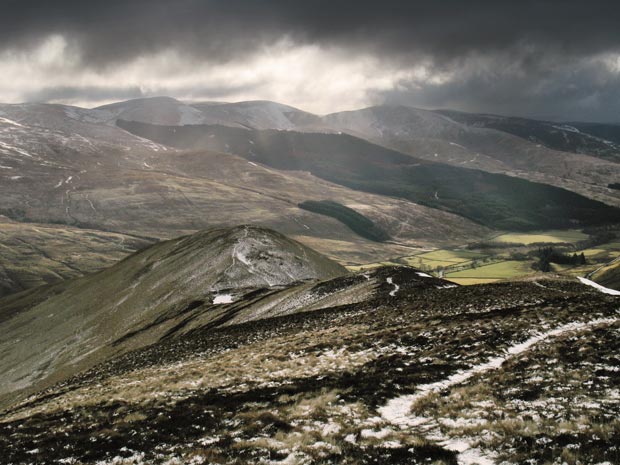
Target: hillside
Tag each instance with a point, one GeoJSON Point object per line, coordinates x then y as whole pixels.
{"type": "Point", "coordinates": [73, 168]}
{"type": "Point", "coordinates": [36, 254]}
{"type": "Point", "coordinates": [354, 220]}
{"type": "Point", "coordinates": [608, 276]}
{"type": "Point", "coordinates": [581, 157]}
{"type": "Point", "coordinates": [50, 332]}
{"type": "Point", "coordinates": [460, 139]}
{"type": "Point", "coordinates": [600, 140]}
{"type": "Point", "coordinates": [493, 200]}
{"type": "Point", "coordinates": [406, 369]}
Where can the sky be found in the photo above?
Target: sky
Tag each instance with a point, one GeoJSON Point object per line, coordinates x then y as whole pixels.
{"type": "Point", "coordinates": [545, 59]}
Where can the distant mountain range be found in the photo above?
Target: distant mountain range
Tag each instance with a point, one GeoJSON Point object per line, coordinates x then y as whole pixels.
{"type": "Point", "coordinates": [151, 169]}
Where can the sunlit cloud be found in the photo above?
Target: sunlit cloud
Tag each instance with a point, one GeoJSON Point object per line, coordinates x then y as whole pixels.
{"type": "Point", "coordinates": [311, 77]}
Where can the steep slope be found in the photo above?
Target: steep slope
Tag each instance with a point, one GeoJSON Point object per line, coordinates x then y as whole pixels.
{"type": "Point", "coordinates": [88, 174]}
{"type": "Point", "coordinates": [411, 374]}
{"type": "Point", "coordinates": [48, 333]}
{"type": "Point", "coordinates": [436, 136]}
{"type": "Point", "coordinates": [493, 200]}
{"type": "Point", "coordinates": [563, 155]}
{"type": "Point", "coordinates": [600, 140]}
{"type": "Point", "coordinates": [609, 275]}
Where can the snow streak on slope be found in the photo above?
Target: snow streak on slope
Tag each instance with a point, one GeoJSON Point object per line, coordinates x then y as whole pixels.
{"type": "Point", "coordinates": [396, 286]}
{"type": "Point", "coordinates": [398, 410]}
{"type": "Point", "coordinates": [603, 289]}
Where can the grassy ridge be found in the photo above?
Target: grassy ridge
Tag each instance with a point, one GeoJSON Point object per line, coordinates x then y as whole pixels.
{"type": "Point", "coordinates": [357, 222]}
{"type": "Point", "coordinates": [493, 200]}
{"type": "Point", "coordinates": [609, 276]}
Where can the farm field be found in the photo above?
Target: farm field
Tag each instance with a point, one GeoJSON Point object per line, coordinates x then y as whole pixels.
{"type": "Point", "coordinates": [442, 257]}
{"type": "Point", "coordinates": [492, 264]}
{"type": "Point", "coordinates": [493, 272]}
{"type": "Point", "coordinates": [554, 236]}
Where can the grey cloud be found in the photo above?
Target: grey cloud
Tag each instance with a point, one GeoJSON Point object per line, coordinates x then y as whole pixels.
{"type": "Point", "coordinates": [537, 53]}
{"type": "Point", "coordinates": [114, 30]}
{"type": "Point", "coordinates": [568, 91]}
{"type": "Point", "coordinates": [83, 93]}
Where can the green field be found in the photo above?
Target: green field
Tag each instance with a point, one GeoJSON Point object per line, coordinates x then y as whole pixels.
{"type": "Point", "coordinates": [370, 266]}
{"type": "Point", "coordinates": [491, 265]}
{"type": "Point", "coordinates": [442, 258]}
{"type": "Point", "coordinates": [493, 272]}
{"type": "Point", "coordinates": [542, 236]}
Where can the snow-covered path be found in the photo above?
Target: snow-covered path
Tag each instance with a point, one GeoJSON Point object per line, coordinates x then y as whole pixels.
{"type": "Point", "coordinates": [398, 410]}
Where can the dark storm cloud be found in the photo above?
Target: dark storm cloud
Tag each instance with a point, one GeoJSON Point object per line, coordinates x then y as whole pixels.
{"type": "Point", "coordinates": [113, 30]}
{"type": "Point", "coordinates": [566, 90]}
{"type": "Point", "coordinates": [537, 56]}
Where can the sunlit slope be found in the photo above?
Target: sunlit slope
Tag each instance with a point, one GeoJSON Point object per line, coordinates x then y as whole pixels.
{"type": "Point", "coordinates": [493, 200]}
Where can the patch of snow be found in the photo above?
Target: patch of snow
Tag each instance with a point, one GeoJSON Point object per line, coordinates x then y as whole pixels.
{"type": "Point", "coordinates": [252, 163]}
{"type": "Point", "coordinates": [566, 127]}
{"type": "Point", "coordinates": [136, 459]}
{"type": "Point", "coordinates": [11, 122]}
{"type": "Point", "coordinates": [473, 456]}
{"type": "Point", "coordinates": [396, 286]}
{"type": "Point", "coordinates": [330, 429]}
{"type": "Point", "coordinates": [4, 146]}
{"type": "Point", "coordinates": [424, 275]}
{"type": "Point", "coordinates": [223, 299]}
{"type": "Point", "coordinates": [457, 145]}
{"type": "Point", "coordinates": [208, 440]}
{"type": "Point", "coordinates": [603, 289]}
{"type": "Point", "coordinates": [382, 433]}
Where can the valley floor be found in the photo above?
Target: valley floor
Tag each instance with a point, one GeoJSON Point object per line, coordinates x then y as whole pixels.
{"type": "Point", "coordinates": [509, 256]}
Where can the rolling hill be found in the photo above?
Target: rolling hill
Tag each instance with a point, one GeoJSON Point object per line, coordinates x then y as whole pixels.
{"type": "Point", "coordinates": [73, 168]}
{"type": "Point", "coordinates": [581, 157]}
{"type": "Point", "coordinates": [493, 200]}
{"type": "Point", "coordinates": [601, 140]}
{"type": "Point", "coordinates": [164, 290]}
{"type": "Point", "coordinates": [455, 138]}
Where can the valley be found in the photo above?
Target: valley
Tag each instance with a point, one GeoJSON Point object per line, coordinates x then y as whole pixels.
{"type": "Point", "coordinates": [511, 255]}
